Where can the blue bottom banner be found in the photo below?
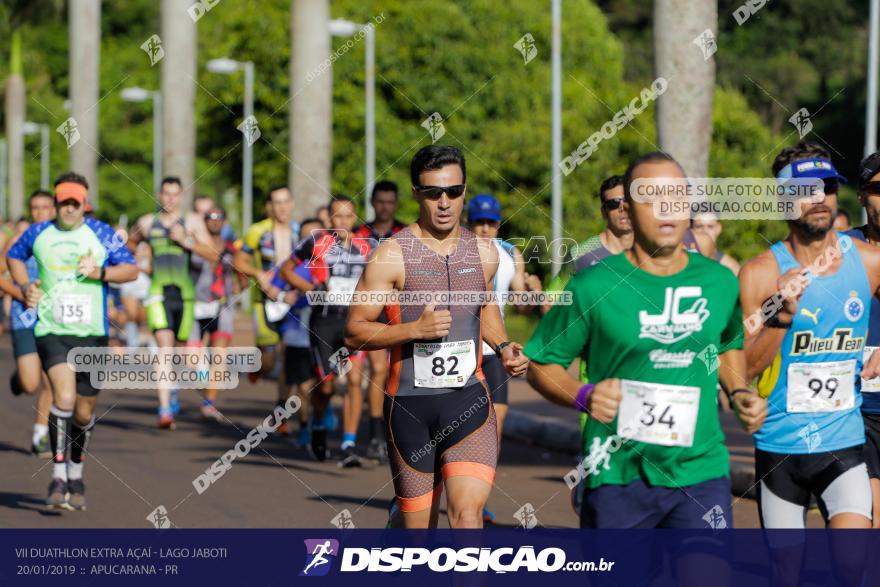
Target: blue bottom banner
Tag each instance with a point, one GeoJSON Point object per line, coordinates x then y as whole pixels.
{"type": "Point", "coordinates": [441, 557]}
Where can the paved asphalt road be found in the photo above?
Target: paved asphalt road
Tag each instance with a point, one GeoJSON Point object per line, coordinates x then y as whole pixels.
{"type": "Point", "coordinates": [133, 468]}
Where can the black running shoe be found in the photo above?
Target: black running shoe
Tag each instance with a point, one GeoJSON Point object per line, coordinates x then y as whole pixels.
{"type": "Point", "coordinates": [319, 444]}
{"type": "Point", "coordinates": [77, 498]}
{"type": "Point", "coordinates": [377, 450]}
{"type": "Point", "coordinates": [57, 494]}
{"type": "Point", "coordinates": [349, 459]}
{"type": "Point", "coordinates": [15, 384]}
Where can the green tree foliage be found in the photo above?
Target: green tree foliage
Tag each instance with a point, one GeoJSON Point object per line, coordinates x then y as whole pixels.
{"type": "Point", "coordinates": [454, 58]}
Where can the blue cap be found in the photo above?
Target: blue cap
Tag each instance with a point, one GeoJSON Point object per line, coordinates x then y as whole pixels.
{"type": "Point", "coordinates": [484, 207]}
{"type": "Point", "coordinates": [821, 168]}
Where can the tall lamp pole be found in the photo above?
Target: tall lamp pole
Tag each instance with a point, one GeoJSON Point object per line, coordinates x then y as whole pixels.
{"type": "Point", "coordinates": [227, 66]}
{"type": "Point", "coordinates": [32, 128]}
{"type": "Point", "coordinates": [556, 137]}
{"type": "Point", "coordinates": [346, 28]}
{"type": "Point", "coordinates": [137, 94]}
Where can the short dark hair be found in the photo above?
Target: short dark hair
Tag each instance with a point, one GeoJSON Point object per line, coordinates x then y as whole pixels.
{"type": "Point", "coordinates": [653, 157]}
{"type": "Point", "coordinates": [170, 179]}
{"type": "Point", "coordinates": [436, 157]}
{"type": "Point", "coordinates": [40, 194]}
{"type": "Point", "coordinates": [203, 197]}
{"type": "Point", "coordinates": [384, 186]}
{"type": "Point", "coordinates": [70, 176]}
{"type": "Point", "coordinates": [800, 151]}
{"type": "Point", "coordinates": [338, 198]}
{"type": "Point", "coordinates": [310, 220]}
{"type": "Point", "coordinates": [845, 214]}
{"type": "Point", "coordinates": [273, 189]}
{"type": "Point", "coordinates": [608, 184]}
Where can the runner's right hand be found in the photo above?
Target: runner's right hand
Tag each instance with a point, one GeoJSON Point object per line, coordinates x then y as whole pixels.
{"type": "Point", "coordinates": [433, 323]}
{"type": "Point", "coordinates": [605, 400]}
{"type": "Point", "coordinates": [33, 294]}
{"type": "Point", "coordinates": [792, 285]}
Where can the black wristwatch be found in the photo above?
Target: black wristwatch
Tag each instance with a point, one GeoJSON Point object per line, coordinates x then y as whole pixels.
{"type": "Point", "coordinates": [103, 273]}
{"type": "Point", "coordinates": [501, 346]}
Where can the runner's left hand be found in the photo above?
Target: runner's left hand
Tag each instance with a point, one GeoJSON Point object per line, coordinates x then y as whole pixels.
{"type": "Point", "coordinates": [871, 368]}
{"type": "Point", "coordinates": [751, 409]}
{"type": "Point", "coordinates": [514, 361]}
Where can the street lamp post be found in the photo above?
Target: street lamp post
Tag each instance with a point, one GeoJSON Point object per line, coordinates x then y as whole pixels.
{"type": "Point", "coordinates": [871, 101]}
{"type": "Point", "coordinates": [346, 28]}
{"type": "Point", "coordinates": [137, 94]}
{"type": "Point", "coordinates": [227, 66]}
{"type": "Point", "coordinates": [3, 177]}
{"type": "Point", "coordinates": [32, 128]}
{"type": "Point", "coordinates": [556, 135]}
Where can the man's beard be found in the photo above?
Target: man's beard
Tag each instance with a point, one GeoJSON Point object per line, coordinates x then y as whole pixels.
{"type": "Point", "coordinates": [810, 229]}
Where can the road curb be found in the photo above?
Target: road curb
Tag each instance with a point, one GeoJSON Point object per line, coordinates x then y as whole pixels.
{"type": "Point", "coordinates": [559, 435]}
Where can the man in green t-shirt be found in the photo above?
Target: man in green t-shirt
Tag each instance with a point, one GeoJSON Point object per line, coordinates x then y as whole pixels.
{"type": "Point", "coordinates": [76, 258]}
{"type": "Point", "coordinates": [657, 329]}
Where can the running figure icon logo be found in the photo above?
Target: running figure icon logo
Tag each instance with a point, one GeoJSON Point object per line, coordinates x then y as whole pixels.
{"type": "Point", "coordinates": [319, 554]}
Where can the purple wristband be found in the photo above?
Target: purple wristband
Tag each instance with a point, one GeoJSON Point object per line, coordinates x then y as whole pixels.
{"type": "Point", "coordinates": [583, 393]}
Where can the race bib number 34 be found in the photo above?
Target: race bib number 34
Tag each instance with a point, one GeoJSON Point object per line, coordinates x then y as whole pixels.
{"type": "Point", "coordinates": [443, 364]}
{"type": "Point", "coordinates": [821, 387]}
{"type": "Point", "coordinates": [72, 309]}
{"type": "Point", "coordinates": [657, 413]}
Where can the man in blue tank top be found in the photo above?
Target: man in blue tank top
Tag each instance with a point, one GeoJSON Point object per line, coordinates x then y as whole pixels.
{"type": "Point", "coordinates": [805, 303]}
{"type": "Point", "coordinates": [869, 197]}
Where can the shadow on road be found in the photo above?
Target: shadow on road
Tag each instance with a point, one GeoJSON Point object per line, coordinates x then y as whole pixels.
{"type": "Point", "coordinates": [25, 501]}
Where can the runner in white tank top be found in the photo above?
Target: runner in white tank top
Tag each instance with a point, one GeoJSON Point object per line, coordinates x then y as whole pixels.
{"type": "Point", "coordinates": [484, 218]}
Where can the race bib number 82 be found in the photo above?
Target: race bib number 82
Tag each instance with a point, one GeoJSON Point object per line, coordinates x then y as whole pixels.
{"type": "Point", "coordinates": [443, 364]}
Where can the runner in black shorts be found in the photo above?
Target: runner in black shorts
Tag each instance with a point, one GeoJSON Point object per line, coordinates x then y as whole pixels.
{"type": "Point", "coordinates": [29, 376]}
{"type": "Point", "coordinates": [384, 199]}
{"type": "Point", "coordinates": [336, 260]}
{"type": "Point", "coordinates": [70, 304]}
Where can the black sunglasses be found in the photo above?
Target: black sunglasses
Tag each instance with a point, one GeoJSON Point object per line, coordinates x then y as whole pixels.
{"type": "Point", "coordinates": [871, 187]}
{"type": "Point", "coordinates": [831, 186]}
{"type": "Point", "coordinates": [434, 192]}
{"type": "Point", "coordinates": [612, 204]}
{"type": "Point", "coordinates": [215, 216]}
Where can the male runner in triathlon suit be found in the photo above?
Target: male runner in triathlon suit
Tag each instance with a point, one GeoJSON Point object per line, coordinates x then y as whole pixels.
{"type": "Point", "coordinates": [172, 237]}
{"type": "Point", "coordinates": [336, 259]}
{"type": "Point", "coordinates": [266, 245]}
{"type": "Point", "coordinates": [29, 377]}
{"type": "Point", "coordinates": [806, 307]}
{"type": "Point", "coordinates": [76, 259]}
{"type": "Point", "coordinates": [385, 201]}
{"type": "Point", "coordinates": [214, 309]}
{"type": "Point", "coordinates": [869, 197]}
{"type": "Point", "coordinates": [439, 417]}
{"type": "Point", "coordinates": [657, 328]}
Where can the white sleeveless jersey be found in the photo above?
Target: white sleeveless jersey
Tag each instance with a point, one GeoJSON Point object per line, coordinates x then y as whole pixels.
{"type": "Point", "coordinates": [503, 277]}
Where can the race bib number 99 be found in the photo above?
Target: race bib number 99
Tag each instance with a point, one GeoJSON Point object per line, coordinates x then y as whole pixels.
{"type": "Point", "coordinates": [72, 309]}
{"type": "Point", "coordinates": [870, 385]}
{"type": "Point", "coordinates": [821, 387]}
{"type": "Point", "coordinates": [657, 413]}
{"type": "Point", "coordinates": [443, 364]}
